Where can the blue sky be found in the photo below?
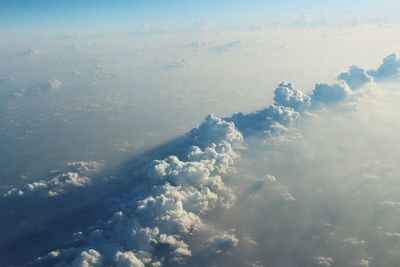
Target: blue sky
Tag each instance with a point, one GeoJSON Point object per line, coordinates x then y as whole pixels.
{"type": "Point", "coordinates": [72, 12]}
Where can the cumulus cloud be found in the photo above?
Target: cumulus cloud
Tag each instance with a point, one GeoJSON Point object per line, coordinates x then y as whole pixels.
{"type": "Point", "coordinates": [156, 222]}
{"type": "Point", "coordinates": [85, 167]}
{"type": "Point", "coordinates": [269, 120]}
{"type": "Point", "coordinates": [330, 94]}
{"type": "Point", "coordinates": [77, 175]}
{"type": "Point", "coordinates": [324, 261]}
{"type": "Point", "coordinates": [214, 130]}
{"type": "Point", "coordinates": [225, 241]}
{"type": "Point", "coordinates": [355, 77]}
{"type": "Point", "coordinates": [390, 68]}
{"type": "Point", "coordinates": [53, 187]}
{"type": "Point", "coordinates": [89, 258]}
{"type": "Point", "coordinates": [286, 95]}
{"type": "Point", "coordinates": [127, 259]}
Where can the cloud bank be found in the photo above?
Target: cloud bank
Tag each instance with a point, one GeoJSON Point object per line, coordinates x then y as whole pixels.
{"type": "Point", "coordinates": [162, 220]}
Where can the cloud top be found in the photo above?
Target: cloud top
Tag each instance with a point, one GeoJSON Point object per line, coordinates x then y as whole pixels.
{"type": "Point", "coordinates": [355, 77]}
{"type": "Point", "coordinates": [389, 69]}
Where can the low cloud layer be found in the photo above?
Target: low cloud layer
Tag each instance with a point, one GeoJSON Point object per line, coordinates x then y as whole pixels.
{"type": "Point", "coordinates": [169, 218]}
{"type": "Point", "coordinates": [77, 175]}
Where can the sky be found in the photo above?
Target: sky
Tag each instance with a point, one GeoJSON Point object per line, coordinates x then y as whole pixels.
{"type": "Point", "coordinates": [47, 13]}
{"type": "Point", "coordinates": [207, 133]}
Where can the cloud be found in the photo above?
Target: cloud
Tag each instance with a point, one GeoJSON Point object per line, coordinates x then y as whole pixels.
{"type": "Point", "coordinates": [53, 84]}
{"type": "Point", "coordinates": [47, 86]}
{"type": "Point", "coordinates": [323, 261]}
{"type": "Point", "coordinates": [225, 241]}
{"type": "Point", "coordinates": [391, 203]}
{"type": "Point", "coordinates": [89, 258]}
{"type": "Point", "coordinates": [287, 96]}
{"type": "Point", "coordinates": [86, 167]}
{"type": "Point", "coordinates": [164, 218]}
{"type": "Point", "coordinates": [389, 69]}
{"type": "Point", "coordinates": [168, 208]}
{"type": "Point", "coordinates": [356, 77]}
{"type": "Point", "coordinates": [127, 259]}
{"type": "Point", "coordinates": [30, 52]}
{"type": "Point", "coordinates": [353, 241]}
{"type": "Point", "coordinates": [330, 94]}
{"type": "Point", "coordinates": [175, 64]}
{"type": "Point", "coordinates": [51, 188]}
{"type": "Point", "coordinates": [364, 263]}
{"type": "Point", "coordinates": [214, 130]}
{"type": "Point", "coordinates": [77, 175]}
{"type": "Point", "coordinates": [227, 47]}
{"type": "Point", "coordinates": [269, 120]}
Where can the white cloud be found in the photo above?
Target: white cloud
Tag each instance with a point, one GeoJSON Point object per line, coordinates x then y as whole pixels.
{"type": "Point", "coordinates": [77, 175]}
{"type": "Point", "coordinates": [286, 95]}
{"type": "Point", "coordinates": [225, 241]}
{"type": "Point", "coordinates": [86, 167]}
{"type": "Point", "coordinates": [269, 120]}
{"type": "Point", "coordinates": [330, 94]}
{"type": "Point", "coordinates": [214, 130]}
{"type": "Point", "coordinates": [89, 258]}
{"type": "Point", "coordinates": [127, 259]}
{"type": "Point", "coordinates": [353, 241]}
{"type": "Point", "coordinates": [323, 260]}
{"type": "Point", "coordinates": [390, 68]}
{"type": "Point", "coordinates": [157, 220]}
{"type": "Point", "coordinates": [51, 188]}
{"type": "Point", "coordinates": [154, 225]}
{"type": "Point", "coordinates": [356, 77]}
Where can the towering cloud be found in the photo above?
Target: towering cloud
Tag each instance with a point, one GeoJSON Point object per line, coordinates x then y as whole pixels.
{"type": "Point", "coordinates": [214, 130]}
{"type": "Point", "coordinates": [153, 224]}
{"type": "Point", "coordinates": [287, 96]}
